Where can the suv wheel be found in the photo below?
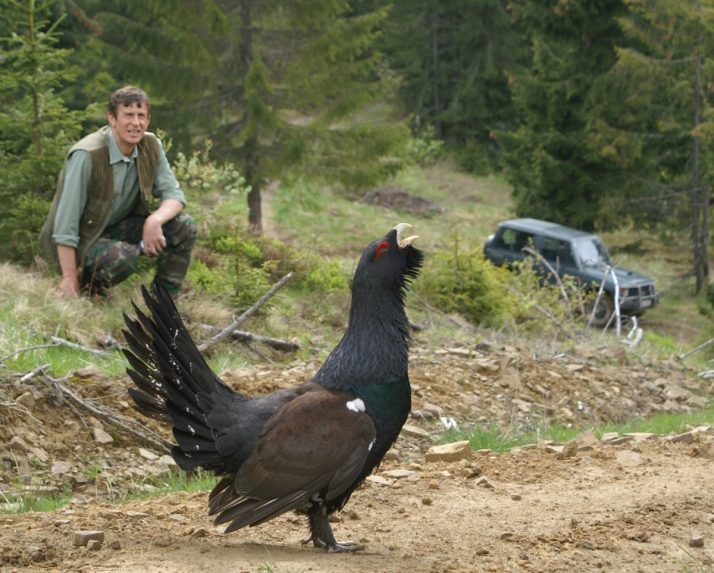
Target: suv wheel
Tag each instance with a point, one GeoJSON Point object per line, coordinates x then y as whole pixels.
{"type": "Point", "coordinates": [604, 310]}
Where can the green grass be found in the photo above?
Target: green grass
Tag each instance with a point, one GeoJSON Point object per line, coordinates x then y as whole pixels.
{"type": "Point", "coordinates": [173, 481]}
{"type": "Point", "coordinates": [36, 502]}
{"type": "Point", "coordinates": [501, 440]}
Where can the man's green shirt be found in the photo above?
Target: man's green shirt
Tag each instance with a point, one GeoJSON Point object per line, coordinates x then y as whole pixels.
{"type": "Point", "coordinates": [126, 189]}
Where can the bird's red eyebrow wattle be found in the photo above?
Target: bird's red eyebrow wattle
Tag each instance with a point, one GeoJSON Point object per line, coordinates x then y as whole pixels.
{"type": "Point", "coordinates": [381, 248]}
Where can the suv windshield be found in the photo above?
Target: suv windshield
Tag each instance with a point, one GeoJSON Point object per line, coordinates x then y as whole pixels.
{"type": "Point", "coordinates": [591, 252]}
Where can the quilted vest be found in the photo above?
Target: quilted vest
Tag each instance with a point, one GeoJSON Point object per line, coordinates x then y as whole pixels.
{"type": "Point", "coordinates": [100, 191]}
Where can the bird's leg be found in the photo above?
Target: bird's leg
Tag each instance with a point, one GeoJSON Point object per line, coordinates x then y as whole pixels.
{"type": "Point", "coordinates": [322, 536]}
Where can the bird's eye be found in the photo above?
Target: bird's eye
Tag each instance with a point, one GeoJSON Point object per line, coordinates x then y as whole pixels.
{"type": "Point", "coordinates": [381, 249]}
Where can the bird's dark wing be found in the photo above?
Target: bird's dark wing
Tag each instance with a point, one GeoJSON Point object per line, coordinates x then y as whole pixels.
{"type": "Point", "coordinates": [312, 449]}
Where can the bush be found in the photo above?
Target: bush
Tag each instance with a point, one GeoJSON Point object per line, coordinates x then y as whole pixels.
{"type": "Point", "coordinates": [463, 281]}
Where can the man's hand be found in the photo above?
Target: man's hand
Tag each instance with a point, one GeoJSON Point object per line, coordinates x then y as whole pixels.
{"type": "Point", "coordinates": [69, 287]}
{"type": "Point", "coordinates": [154, 240]}
{"type": "Point", "coordinates": [153, 236]}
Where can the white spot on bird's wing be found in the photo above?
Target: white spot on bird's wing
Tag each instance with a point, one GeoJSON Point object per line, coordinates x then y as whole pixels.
{"type": "Point", "coordinates": [371, 444]}
{"type": "Point", "coordinates": [191, 429]}
{"type": "Point", "coordinates": [356, 405]}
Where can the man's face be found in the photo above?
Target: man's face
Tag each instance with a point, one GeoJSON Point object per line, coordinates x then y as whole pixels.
{"type": "Point", "coordinates": [129, 125]}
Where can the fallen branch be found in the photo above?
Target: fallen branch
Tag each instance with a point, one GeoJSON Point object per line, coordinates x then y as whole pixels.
{"type": "Point", "coordinates": [30, 375]}
{"type": "Point", "coordinates": [129, 426]}
{"type": "Point", "coordinates": [696, 349]}
{"type": "Point", "coordinates": [247, 314]}
{"type": "Point", "coordinates": [277, 343]}
{"type": "Point", "coordinates": [19, 408]}
{"type": "Point", "coordinates": [27, 349]}
{"type": "Point", "coordinates": [62, 342]}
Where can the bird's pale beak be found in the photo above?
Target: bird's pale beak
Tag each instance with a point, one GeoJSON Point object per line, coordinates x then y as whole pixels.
{"type": "Point", "coordinates": [407, 241]}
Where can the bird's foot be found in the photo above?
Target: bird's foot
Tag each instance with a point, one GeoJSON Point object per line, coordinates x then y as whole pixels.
{"type": "Point", "coordinates": [345, 547]}
{"type": "Point", "coordinates": [335, 546]}
{"type": "Point", "coordinates": [321, 536]}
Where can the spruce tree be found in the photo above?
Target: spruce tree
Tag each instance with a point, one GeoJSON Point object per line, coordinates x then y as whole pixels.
{"type": "Point", "coordinates": [660, 133]}
{"type": "Point", "coordinates": [35, 126]}
{"type": "Point", "coordinates": [453, 59]}
{"type": "Point", "coordinates": [548, 160]}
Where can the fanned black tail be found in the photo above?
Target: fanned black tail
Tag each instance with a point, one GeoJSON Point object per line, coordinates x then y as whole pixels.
{"type": "Point", "coordinates": [173, 382]}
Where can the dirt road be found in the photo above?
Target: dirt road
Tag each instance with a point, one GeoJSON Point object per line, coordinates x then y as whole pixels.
{"type": "Point", "coordinates": [638, 506]}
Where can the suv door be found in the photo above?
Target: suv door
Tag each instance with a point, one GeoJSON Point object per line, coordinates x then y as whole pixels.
{"type": "Point", "coordinates": [559, 254]}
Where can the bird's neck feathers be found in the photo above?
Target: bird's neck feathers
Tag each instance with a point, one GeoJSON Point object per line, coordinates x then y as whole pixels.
{"type": "Point", "coordinates": [375, 346]}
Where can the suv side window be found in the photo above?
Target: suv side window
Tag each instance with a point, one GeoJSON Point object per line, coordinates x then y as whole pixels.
{"type": "Point", "coordinates": [557, 251]}
{"type": "Point", "coordinates": [514, 240]}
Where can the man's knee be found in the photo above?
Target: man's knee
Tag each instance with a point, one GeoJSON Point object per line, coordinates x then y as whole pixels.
{"type": "Point", "coordinates": [181, 230]}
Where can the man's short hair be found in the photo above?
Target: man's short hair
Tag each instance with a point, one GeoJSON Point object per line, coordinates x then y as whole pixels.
{"type": "Point", "coordinates": [127, 96]}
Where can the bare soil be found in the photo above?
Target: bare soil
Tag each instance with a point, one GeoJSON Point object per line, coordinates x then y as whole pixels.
{"type": "Point", "coordinates": [637, 503]}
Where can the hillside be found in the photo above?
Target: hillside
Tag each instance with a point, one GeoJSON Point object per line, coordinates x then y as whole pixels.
{"type": "Point", "coordinates": [627, 502]}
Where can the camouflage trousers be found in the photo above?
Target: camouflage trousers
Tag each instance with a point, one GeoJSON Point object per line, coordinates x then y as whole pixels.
{"type": "Point", "coordinates": [117, 254]}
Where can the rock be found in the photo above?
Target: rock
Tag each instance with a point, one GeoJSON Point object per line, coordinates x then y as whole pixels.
{"type": "Point", "coordinates": [115, 545]}
{"type": "Point", "coordinates": [136, 514]}
{"type": "Point", "coordinates": [609, 437]}
{"type": "Point", "coordinates": [685, 438]}
{"type": "Point", "coordinates": [379, 480]}
{"type": "Point", "coordinates": [452, 452]}
{"type": "Point", "coordinates": [94, 544]}
{"type": "Point", "coordinates": [483, 481]}
{"type": "Point", "coordinates": [699, 402]}
{"type": "Point", "coordinates": [40, 454]}
{"type": "Point", "coordinates": [88, 372]}
{"type": "Point", "coordinates": [178, 517]}
{"type": "Point", "coordinates": [705, 451]}
{"type": "Point", "coordinates": [60, 468]}
{"type": "Point", "coordinates": [82, 538]}
{"type": "Point", "coordinates": [433, 409]}
{"type": "Point", "coordinates": [101, 437]}
{"type": "Point", "coordinates": [696, 541]}
{"type": "Point", "coordinates": [200, 532]}
{"type": "Point", "coordinates": [148, 455]}
{"type": "Point", "coordinates": [482, 552]}
{"type": "Point", "coordinates": [19, 442]}
{"type": "Point", "coordinates": [426, 501]}
{"type": "Point", "coordinates": [110, 514]}
{"type": "Point", "coordinates": [522, 405]}
{"type": "Point", "coordinates": [569, 450]}
{"type": "Point", "coordinates": [516, 497]}
{"type": "Point", "coordinates": [640, 436]}
{"type": "Point", "coordinates": [629, 458]}
{"type": "Point", "coordinates": [36, 554]}
{"type": "Point", "coordinates": [506, 536]}
{"type": "Point", "coordinates": [393, 455]}
{"type": "Point", "coordinates": [676, 393]}
{"type": "Point", "coordinates": [414, 431]}
{"type": "Point", "coordinates": [166, 460]}
{"type": "Point", "coordinates": [586, 439]}
{"type": "Point", "coordinates": [399, 473]}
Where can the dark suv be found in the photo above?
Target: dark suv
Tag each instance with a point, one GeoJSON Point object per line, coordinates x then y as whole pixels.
{"type": "Point", "coordinates": [575, 253]}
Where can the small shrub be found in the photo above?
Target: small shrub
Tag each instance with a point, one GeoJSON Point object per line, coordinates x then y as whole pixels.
{"type": "Point", "coordinates": [463, 281]}
{"type": "Point", "coordinates": [199, 175]}
{"type": "Point", "coordinates": [328, 277]}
